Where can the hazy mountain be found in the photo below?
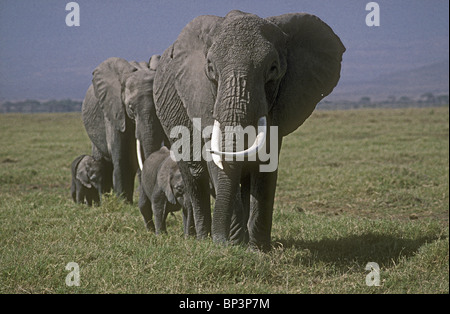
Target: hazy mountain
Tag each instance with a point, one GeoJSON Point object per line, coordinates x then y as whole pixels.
{"type": "Point", "coordinates": [413, 83]}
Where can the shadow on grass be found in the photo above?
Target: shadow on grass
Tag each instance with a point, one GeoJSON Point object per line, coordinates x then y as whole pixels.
{"type": "Point", "coordinates": [352, 253]}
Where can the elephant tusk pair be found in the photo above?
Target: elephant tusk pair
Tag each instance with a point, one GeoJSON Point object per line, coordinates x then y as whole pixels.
{"type": "Point", "coordinates": [139, 154]}
{"type": "Point", "coordinates": [215, 151]}
{"type": "Point", "coordinates": [217, 155]}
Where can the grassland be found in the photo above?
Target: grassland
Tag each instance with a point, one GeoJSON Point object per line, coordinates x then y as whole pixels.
{"type": "Point", "coordinates": [354, 187]}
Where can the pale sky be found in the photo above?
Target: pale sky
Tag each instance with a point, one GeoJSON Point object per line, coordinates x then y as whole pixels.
{"type": "Point", "coordinates": [42, 58]}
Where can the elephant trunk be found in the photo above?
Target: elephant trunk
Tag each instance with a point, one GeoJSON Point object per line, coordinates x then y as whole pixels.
{"type": "Point", "coordinates": [148, 140]}
{"type": "Point", "coordinates": [149, 136]}
{"type": "Point", "coordinates": [225, 206]}
{"type": "Point", "coordinates": [239, 103]}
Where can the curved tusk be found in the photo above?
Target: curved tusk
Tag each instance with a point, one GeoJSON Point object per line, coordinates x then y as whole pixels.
{"type": "Point", "coordinates": [251, 151]}
{"type": "Point", "coordinates": [139, 154]}
{"type": "Point", "coordinates": [215, 144]}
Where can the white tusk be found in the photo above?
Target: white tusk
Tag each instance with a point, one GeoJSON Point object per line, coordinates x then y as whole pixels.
{"type": "Point", "coordinates": [215, 144]}
{"type": "Point", "coordinates": [251, 151]}
{"type": "Point", "coordinates": [139, 154]}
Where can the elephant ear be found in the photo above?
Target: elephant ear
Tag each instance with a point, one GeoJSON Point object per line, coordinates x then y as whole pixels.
{"type": "Point", "coordinates": [164, 179]}
{"type": "Point", "coordinates": [107, 80]}
{"type": "Point", "coordinates": [82, 172]}
{"type": "Point", "coordinates": [189, 61]}
{"type": "Point", "coordinates": [314, 55]}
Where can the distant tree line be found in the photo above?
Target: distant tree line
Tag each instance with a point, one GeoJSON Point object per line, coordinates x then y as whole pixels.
{"type": "Point", "coordinates": [34, 106]}
{"type": "Point", "coordinates": [68, 105]}
{"type": "Point", "coordinates": [425, 100]}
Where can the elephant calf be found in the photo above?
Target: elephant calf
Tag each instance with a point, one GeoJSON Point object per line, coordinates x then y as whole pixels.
{"type": "Point", "coordinates": [162, 192]}
{"type": "Point", "coordinates": [90, 178]}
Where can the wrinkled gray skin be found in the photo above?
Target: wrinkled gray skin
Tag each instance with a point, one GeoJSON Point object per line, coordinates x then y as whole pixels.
{"type": "Point", "coordinates": [162, 191]}
{"type": "Point", "coordinates": [236, 70]}
{"type": "Point", "coordinates": [90, 178]}
{"type": "Point", "coordinates": [117, 110]}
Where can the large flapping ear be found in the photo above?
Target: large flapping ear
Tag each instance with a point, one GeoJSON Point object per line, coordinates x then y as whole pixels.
{"type": "Point", "coordinates": [82, 172]}
{"type": "Point", "coordinates": [164, 178]}
{"type": "Point", "coordinates": [314, 55]}
{"type": "Point", "coordinates": [107, 80]}
{"type": "Point", "coordinates": [189, 63]}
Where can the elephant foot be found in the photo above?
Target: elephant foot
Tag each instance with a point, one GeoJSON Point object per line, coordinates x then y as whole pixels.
{"type": "Point", "coordinates": [259, 247]}
{"type": "Point", "coordinates": [240, 238]}
{"type": "Point", "coordinates": [220, 239]}
{"type": "Point", "coordinates": [150, 227]}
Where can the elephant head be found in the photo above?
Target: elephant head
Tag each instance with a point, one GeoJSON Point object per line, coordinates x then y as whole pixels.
{"type": "Point", "coordinates": [125, 89]}
{"type": "Point", "coordinates": [171, 182]}
{"type": "Point", "coordinates": [91, 174]}
{"type": "Point", "coordinates": [247, 70]}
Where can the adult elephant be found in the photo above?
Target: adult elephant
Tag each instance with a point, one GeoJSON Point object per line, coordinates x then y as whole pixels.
{"type": "Point", "coordinates": [117, 110]}
{"type": "Point", "coordinates": [243, 70]}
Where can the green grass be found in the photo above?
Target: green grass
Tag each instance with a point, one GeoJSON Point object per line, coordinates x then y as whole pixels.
{"type": "Point", "coordinates": [354, 187]}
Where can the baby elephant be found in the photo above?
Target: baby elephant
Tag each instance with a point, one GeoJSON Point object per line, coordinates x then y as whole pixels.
{"type": "Point", "coordinates": [90, 178]}
{"type": "Point", "coordinates": [162, 191]}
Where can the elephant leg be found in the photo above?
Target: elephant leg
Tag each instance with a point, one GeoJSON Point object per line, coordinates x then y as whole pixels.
{"type": "Point", "coordinates": [73, 191]}
{"type": "Point", "coordinates": [80, 193]}
{"type": "Point", "coordinates": [107, 175]}
{"type": "Point", "coordinates": [99, 196]}
{"type": "Point", "coordinates": [188, 220]}
{"type": "Point", "coordinates": [116, 146]}
{"type": "Point", "coordinates": [89, 199]}
{"type": "Point", "coordinates": [123, 179]}
{"type": "Point", "coordinates": [129, 184]}
{"type": "Point", "coordinates": [263, 186]}
{"type": "Point", "coordinates": [197, 185]}
{"type": "Point", "coordinates": [92, 196]}
{"type": "Point", "coordinates": [159, 211]}
{"type": "Point", "coordinates": [123, 149]}
{"type": "Point", "coordinates": [228, 204]}
{"type": "Point", "coordinates": [262, 195]}
{"type": "Point", "coordinates": [145, 207]}
{"type": "Point", "coordinates": [238, 230]}
{"type": "Point", "coordinates": [164, 219]}
{"type": "Point", "coordinates": [95, 196]}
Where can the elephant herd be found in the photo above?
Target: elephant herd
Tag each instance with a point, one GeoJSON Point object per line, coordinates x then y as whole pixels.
{"type": "Point", "coordinates": [221, 96]}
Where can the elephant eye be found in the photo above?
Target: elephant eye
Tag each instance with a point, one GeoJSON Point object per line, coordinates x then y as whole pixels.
{"type": "Point", "coordinates": [273, 72]}
{"type": "Point", "coordinates": [210, 71]}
